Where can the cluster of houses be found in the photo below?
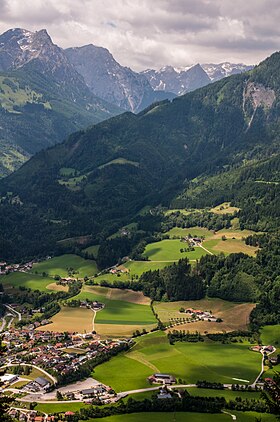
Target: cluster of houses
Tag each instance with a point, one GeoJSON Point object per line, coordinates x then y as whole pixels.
{"type": "Point", "coordinates": [201, 315]}
{"type": "Point", "coordinates": [62, 353]}
{"type": "Point", "coordinates": [94, 305]}
{"type": "Point", "coordinates": [24, 415]}
{"type": "Point", "coordinates": [266, 350]}
{"type": "Point", "coordinates": [11, 268]}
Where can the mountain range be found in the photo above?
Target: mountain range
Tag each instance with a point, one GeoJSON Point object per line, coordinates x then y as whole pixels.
{"type": "Point", "coordinates": [99, 178]}
{"type": "Point", "coordinates": [46, 92]}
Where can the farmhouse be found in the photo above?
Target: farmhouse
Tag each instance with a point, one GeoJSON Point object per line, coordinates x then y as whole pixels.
{"type": "Point", "coordinates": [162, 379]}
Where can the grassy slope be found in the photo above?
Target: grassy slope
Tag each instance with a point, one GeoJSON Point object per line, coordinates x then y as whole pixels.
{"type": "Point", "coordinates": [28, 280]}
{"type": "Point", "coordinates": [191, 417]}
{"type": "Point", "coordinates": [188, 361]}
{"type": "Point", "coordinates": [59, 265]}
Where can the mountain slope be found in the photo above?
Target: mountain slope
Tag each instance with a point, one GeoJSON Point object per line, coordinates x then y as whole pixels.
{"type": "Point", "coordinates": [222, 70]}
{"type": "Point", "coordinates": [99, 178]}
{"type": "Point", "coordinates": [42, 97]}
{"type": "Point", "coordinates": [178, 82]}
{"type": "Point", "coordinates": [107, 79]}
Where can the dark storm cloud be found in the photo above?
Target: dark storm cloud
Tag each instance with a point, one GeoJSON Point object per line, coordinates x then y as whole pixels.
{"type": "Point", "coordinates": [152, 33]}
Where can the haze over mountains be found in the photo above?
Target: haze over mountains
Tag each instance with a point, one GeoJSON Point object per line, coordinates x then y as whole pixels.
{"type": "Point", "coordinates": [47, 92]}
{"type": "Point", "coordinates": [99, 178]}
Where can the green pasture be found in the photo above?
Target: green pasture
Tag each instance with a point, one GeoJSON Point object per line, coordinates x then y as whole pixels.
{"type": "Point", "coordinates": [169, 250]}
{"type": "Point", "coordinates": [59, 407]}
{"type": "Point", "coordinates": [270, 334]}
{"type": "Point", "coordinates": [193, 231]}
{"type": "Point", "coordinates": [227, 394]}
{"type": "Point", "coordinates": [188, 361]}
{"type": "Point", "coordinates": [92, 250]}
{"type": "Point", "coordinates": [120, 312]}
{"type": "Point", "coordinates": [59, 264]}
{"type": "Point", "coordinates": [188, 417]}
{"type": "Point", "coordinates": [139, 267]}
{"type": "Point", "coordinates": [28, 280]}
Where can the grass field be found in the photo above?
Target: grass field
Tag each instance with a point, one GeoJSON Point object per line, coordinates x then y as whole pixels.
{"type": "Point", "coordinates": [169, 250]}
{"type": "Point", "coordinates": [227, 394]}
{"type": "Point", "coordinates": [271, 335]}
{"type": "Point", "coordinates": [92, 250]}
{"type": "Point", "coordinates": [71, 319]}
{"type": "Point", "coordinates": [59, 265]}
{"type": "Point", "coordinates": [28, 280]}
{"type": "Point", "coordinates": [188, 361]}
{"type": "Point", "coordinates": [235, 316]}
{"type": "Point", "coordinates": [121, 316]}
{"type": "Point", "coordinates": [188, 417]}
{"type": "Point", "coordinates": [59, 407]}
{"type": "Point", "coordinates": [194, 231]}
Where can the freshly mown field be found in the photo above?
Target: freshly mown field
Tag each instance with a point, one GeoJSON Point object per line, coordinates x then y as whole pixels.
{"type": "Point", "coordinates": [169, 250]}
{"type": "Point", "coordinates": [229, 246]}
{"type": "Point", "coordinates": [119, 294]}
{"type": "Point", "coordinates": [72, 320]}
{"type": "Point", "coordinates": [188, 417]}
{"type": "Point", "coordinates": [235, 316]}
{"type": "Point", "coordinates": [224, 208]}
{"type": "Point", "coordinates": [187, 361]}
{"type": "Point", "coordinates": [28, 280]}
{"type": "Point", "coordinates": [60, 265]}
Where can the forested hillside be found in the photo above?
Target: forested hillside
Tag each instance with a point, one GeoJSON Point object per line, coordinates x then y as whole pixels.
{"type": "Point", "coordinates": [99, 178]}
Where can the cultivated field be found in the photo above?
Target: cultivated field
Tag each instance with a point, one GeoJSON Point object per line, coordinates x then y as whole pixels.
{"type": "Point", "coordinates": [28, 280]}
{"type": "Point", "coordinates": [188, 361]}
{"type": "Point", "coordinates": [235, 316]}
{"type": "Point", "coordinates": [60, 264]}
{"type": "Point", "coordinates": [72, 320]}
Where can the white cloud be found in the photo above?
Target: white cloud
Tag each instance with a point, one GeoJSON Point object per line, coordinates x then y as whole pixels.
{"type": "Point", "coordinates": [145, 33]}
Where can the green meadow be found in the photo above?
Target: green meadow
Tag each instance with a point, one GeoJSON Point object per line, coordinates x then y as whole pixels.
{"type": "Point", "coordinates": [120, 312]}
{"type": "Point", "coordinates": [194, 231]}
{"type": "Point", "coordinates": [189, 417]}
{"type": "Point", "coordinates": [28, 280]}
{"type": "Point", "coordinates": [93, 250]}
{"type": "Point", "coordinates": [187, 361]}
{"type": "Point", "coordinates": [169, 250]}
{"type": "Point", "coordinates": [60, 264]}
{"type": "Point", "coordinates": [270, 334]}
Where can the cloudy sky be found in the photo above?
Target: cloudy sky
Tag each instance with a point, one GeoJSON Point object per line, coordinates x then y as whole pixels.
{"type": "Point", "coordinates": [152, 33]}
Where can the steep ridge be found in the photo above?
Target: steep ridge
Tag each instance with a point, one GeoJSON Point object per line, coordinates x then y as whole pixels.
{"type": "Point", "coordinates": [107, 79]}
{"type": "Point", "coordinates": [129, 161]}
